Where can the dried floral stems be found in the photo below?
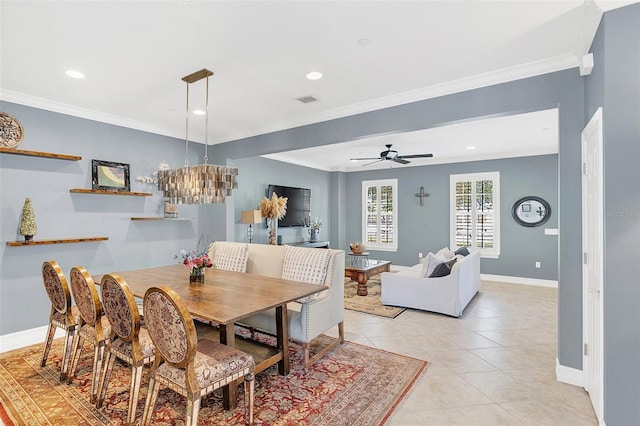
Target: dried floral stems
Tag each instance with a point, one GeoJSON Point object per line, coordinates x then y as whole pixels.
{"type": "Point", "coordinates": [274, 208]}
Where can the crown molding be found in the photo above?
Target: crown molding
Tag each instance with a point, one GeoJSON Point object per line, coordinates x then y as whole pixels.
{"type": "Point", "coordinates": [89, 114]}
{"type": "Point", "coordinates": [531, 69]}
{"type": "Point", "coordinates": [518, 72]}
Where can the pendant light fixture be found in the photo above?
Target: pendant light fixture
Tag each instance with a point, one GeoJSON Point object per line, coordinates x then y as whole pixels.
{"type": "Point", "coordinates": [204, 183]}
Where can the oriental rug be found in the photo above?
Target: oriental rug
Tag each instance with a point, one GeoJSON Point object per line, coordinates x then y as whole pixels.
{"type": "Point", "coordinates": [351, 385]}
{"type": "Point", "coordinates": [371, 303]}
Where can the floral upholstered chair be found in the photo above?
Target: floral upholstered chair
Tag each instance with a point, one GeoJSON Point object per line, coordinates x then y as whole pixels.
{"type": "Point", "coordinates": [62, 314]}
{"type": "Point", "coordinates": [94, 327]}
{"type": "Point", "coordinates": [128, 341]}
{"type": "Point", "coordinates": [191, 368]}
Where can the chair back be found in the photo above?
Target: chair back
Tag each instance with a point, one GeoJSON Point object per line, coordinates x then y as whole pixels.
{"type": "Point", "coordinates": [85, 295]}
{"type": "Point", "coordinates": [120, 307]}
{"type": "Point", "coordinates": [170, 326]}
{"type": "Point", "coordinates": [56, 286]}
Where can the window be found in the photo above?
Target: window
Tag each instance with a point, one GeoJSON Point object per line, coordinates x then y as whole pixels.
{"type": "Point", "coordinates": [380, 218]}
{"type": "Point", "coordinates": [475, 212]}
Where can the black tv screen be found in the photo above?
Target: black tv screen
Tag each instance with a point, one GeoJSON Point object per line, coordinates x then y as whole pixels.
{"type": "Point", "coordinates": [298, 204]}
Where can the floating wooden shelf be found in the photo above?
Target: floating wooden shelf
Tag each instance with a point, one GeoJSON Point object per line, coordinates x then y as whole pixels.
{"type": "Point", "coordinates": [160, 218]}
{"type": "Point", "coordinates": [62, 241]}
{"type": "Point", "coordinates": [40, 154]}
{"type": "Point", "coordinates": [102, 191]}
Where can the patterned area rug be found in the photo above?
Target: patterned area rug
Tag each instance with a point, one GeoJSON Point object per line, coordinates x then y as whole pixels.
{"type": "Point", "coordinates": [351, 385]}
{"type": "Point", "coordinates": [369, 304]}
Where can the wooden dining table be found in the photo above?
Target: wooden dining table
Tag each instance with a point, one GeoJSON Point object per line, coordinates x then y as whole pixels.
{"type": "Point", "coordinates": [225, 298]}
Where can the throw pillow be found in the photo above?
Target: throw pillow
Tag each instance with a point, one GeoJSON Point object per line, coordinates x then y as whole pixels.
{"type": "Point", "coordinates": [431, 262]}
{"type": "Point", "coordinates": [443, 269]}
{"type": "Point", "coordinates": [307, 265]}
{"type": "Point", "coordinates": [462, 250]}
{"type": "Point", "coordinates": [230, 256]}
{"type": "Point", "coordinates": [448, 254]}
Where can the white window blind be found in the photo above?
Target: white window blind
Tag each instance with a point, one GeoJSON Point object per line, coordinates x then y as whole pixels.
{"type": "Point", "coordinates": [379, 219]}
{"type": "Point", "coordinates": [475, 212]}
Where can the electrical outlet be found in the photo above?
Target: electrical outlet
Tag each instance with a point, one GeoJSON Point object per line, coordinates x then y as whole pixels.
{"type": "Point", "coordinates": [420, 255]}
{"type": "Point", "coordinates": [537, 264]}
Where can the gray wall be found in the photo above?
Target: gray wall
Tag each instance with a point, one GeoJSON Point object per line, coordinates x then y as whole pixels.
{"type": "Point", "coordinates": [615, 85]}
{"type": "Point", "coordinates": [426, 228]}
{"type": "Point", "coordinates": [109, 214]}
{"type": "Point", "coordinates": [61, 214]}
{"type": "Point", "coordinates": [564, 90]}
{"type": "Point", "coordinates": [254, 176]}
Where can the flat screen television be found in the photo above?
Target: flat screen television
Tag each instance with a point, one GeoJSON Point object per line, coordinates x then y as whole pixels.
{"type": "Point", "coordinates": [298, 205]}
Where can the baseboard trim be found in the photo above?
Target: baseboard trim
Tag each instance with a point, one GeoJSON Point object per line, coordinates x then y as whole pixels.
{"type": "Point", "coordinates": [520, 280]}
{"type": "Point", "coordinates": [568, 375]}
{"type": "Point", "coordinates": [21, 339]}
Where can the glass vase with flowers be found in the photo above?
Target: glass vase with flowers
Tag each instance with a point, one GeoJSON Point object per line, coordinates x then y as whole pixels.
{"type": "Point", "coordinates": [195, 260]}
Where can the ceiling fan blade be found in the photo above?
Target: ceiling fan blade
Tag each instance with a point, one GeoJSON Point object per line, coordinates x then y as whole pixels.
{"type": "Point", "coordinates": [367, 158]}
{"type": "Point", "coordinates": [377, 161]}
{"type": "Point", "coordinates": [416, 156]}
{"type": "Point", "coordinates": [400, 160]}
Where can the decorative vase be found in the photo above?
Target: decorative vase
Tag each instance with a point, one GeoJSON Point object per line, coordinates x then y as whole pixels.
{"type": "Point", "coordinates": [313, 235]}
{"type": "Point", "coordinates": [28, 237]}
{"type": "Point", "coordinates": [357, 248]}
{"type": "Point", "coordinates": [273, 232]}
{"type": "Point", "coordinates": [197, 275]}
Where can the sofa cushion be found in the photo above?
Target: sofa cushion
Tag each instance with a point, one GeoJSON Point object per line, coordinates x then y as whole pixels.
{"type": "Point", "coordinates": [462, 250]}
{"type": "Point", "coordinates": [443, 269]}
{"type": "Point", "coordinates": [430, 263]}
{"type": "Point", "coordinates": [445, 252]}
{"type": "Point", "coordinates": [229, 256]}
{"type": "Point", "coordinates": [308, 265]}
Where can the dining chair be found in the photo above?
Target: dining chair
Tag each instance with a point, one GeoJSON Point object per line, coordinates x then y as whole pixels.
{"type": "Point", "coordinates": [94, 327]}
{"type": "Point", "coordinates": [62, 314]}
{"type": "Point", "coordinates": [190, 367]}
{"type": "Point", "coordinates": [128, 341]}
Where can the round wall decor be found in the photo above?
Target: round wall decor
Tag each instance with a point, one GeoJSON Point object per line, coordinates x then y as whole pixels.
{"type": "Point", "coordinates": [11, 131]}
{"type": "Point", "coordinates": [531, 211]}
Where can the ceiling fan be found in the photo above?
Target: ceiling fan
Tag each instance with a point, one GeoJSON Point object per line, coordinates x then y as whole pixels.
{"type": "Point", "coordinates": [392, 155]}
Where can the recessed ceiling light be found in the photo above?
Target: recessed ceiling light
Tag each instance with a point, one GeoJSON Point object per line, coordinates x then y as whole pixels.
{"type": "Point", "coordinates": [199, 112]}
{"type": "Point", "coordinates": [362, 42]}
{"type": "Point", "coordinates": [471, 147]}
{"type": "Point", "coordinates": [314, 75]}
{"type": "Point", "coordinates": [74, 74]}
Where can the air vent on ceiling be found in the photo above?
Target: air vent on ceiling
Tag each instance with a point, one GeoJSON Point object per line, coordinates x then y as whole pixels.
{"type": "Point", "coordinates": [307, 99]}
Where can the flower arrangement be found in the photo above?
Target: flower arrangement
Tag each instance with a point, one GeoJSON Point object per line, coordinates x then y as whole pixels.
{"type": "Point", "coordinates": [273, 209]}
{"type": "Point", "coordinates": [153, 179]}
{"type": "Point", "coordinates": [196, 259]}
{"type": "Point", "coordinates": [315, 223]}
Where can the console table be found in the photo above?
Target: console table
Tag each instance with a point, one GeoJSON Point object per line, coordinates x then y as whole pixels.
{"type": "Point", "coordinates": [315, 244]}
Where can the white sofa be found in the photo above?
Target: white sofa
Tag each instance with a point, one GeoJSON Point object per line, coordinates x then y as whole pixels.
{"type": "Point", "coordinates": [447, 295]}
{"type": "Point", "coordinates": [307, 320]}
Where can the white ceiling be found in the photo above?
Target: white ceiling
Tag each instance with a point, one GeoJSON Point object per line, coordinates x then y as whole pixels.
{"type": "Point", "coordinates": [134, 55]}
{"type": "Point", "coordinates": [519, 135]}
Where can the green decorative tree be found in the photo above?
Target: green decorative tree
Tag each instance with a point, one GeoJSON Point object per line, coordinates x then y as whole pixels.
{"type": "Point", "coordinates": [28, 226]}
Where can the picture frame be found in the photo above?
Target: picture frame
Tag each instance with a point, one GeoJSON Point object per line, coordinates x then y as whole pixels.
{"type": "Point", "coordinates": [110, 176]}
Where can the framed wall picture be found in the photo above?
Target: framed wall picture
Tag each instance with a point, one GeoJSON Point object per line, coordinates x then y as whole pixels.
{"type": "Point", "coordinates": [110, 176]}
{"type": "Point", "coordinates": [531, 211]}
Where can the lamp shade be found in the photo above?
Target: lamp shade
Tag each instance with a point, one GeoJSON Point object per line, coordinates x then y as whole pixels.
{"type": "Point", "coordinates": [251, 216]}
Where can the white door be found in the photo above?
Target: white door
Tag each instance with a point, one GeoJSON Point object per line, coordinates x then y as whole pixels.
{"type": "Point", "coordinates": [592, 248]}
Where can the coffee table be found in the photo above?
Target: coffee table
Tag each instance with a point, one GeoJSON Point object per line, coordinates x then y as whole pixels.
{"type": "Point", "coordinates": [363, 272]}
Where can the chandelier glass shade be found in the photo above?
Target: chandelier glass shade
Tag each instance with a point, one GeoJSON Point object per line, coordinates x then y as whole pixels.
{"type": "Point", "coordinates": [204, 183]}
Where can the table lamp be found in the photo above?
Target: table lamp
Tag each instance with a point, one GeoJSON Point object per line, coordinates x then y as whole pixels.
{"type": "Point", "coordinates": [250, 217]}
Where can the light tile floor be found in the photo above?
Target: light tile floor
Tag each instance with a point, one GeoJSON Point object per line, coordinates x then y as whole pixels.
{"type": "Point", "coordinates": [495, 365]}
